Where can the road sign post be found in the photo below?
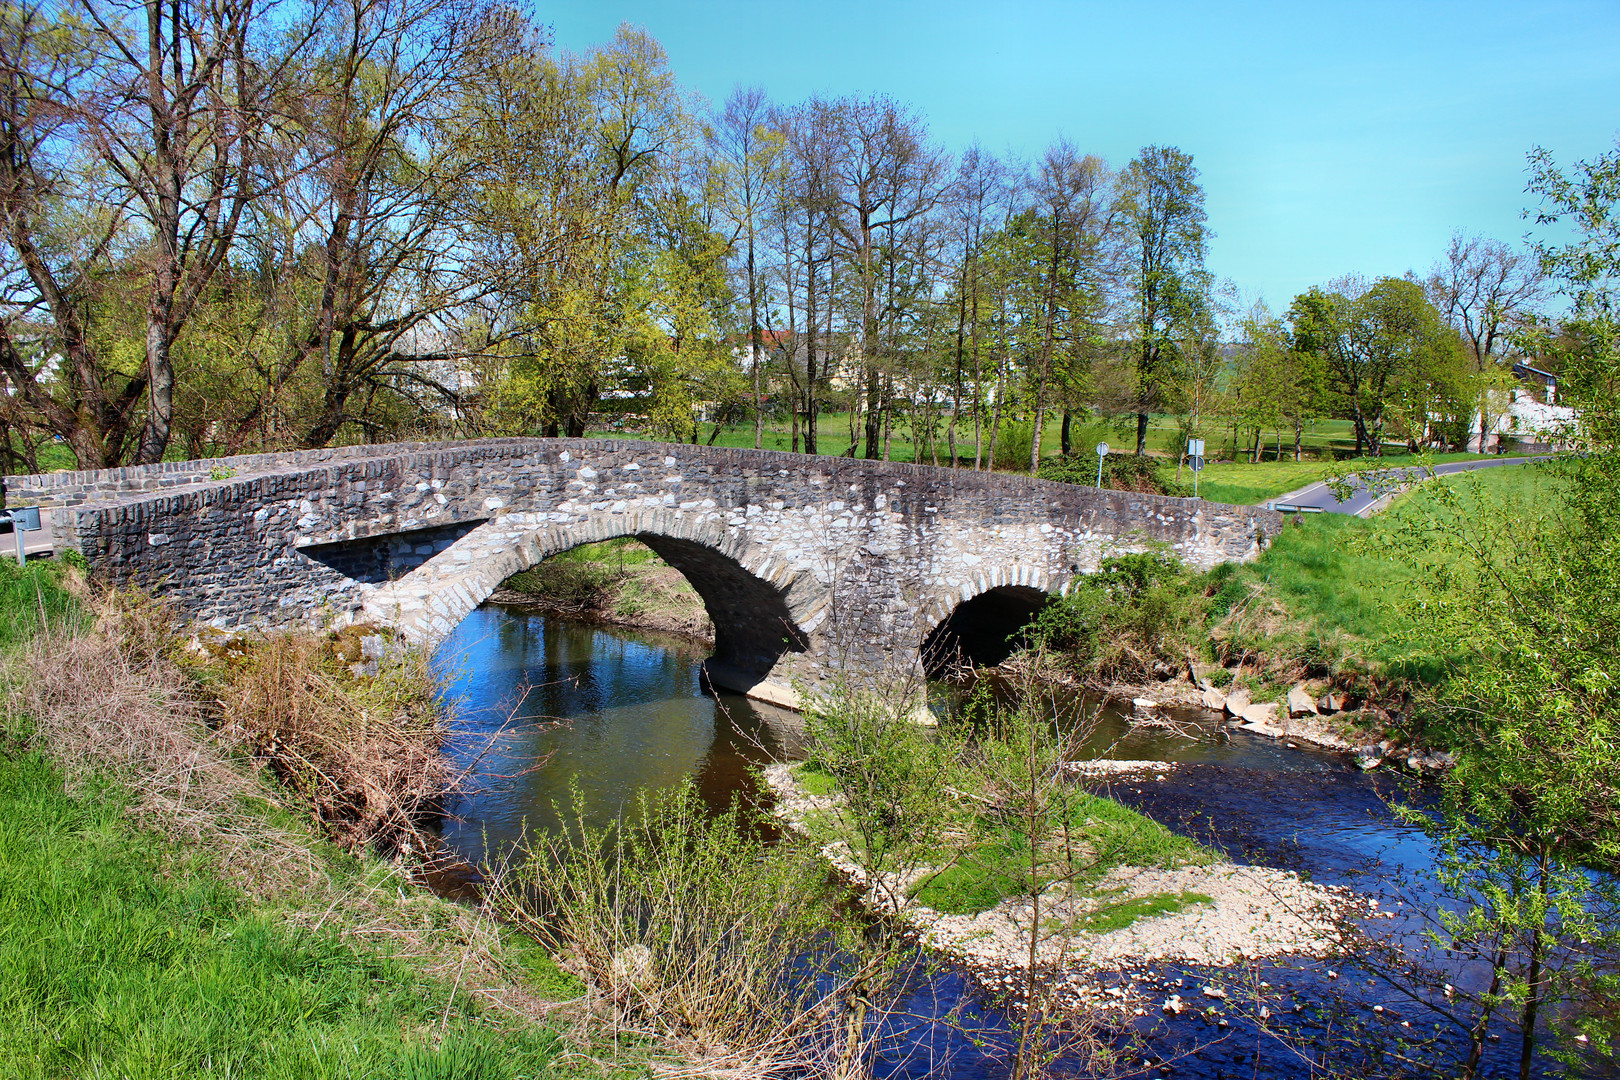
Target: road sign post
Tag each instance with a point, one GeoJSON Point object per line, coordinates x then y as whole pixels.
{"type": "Point", "coordinates": [24, 520]}
{"type": "Point", "coordinates": [1102, 452]}
{"type": "Point", "coordinates": [1195, 450]}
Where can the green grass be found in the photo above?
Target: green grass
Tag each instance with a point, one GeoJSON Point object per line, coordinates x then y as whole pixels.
{"type": "Point", "coordinates": [33, 596]}
{"type": "Point", "coordinates": [121, 956]}
{"type": "Point", "coordinates": [1240, 483]}
{"type": "Point", "coordinates": [1105, 836]}
{"type": "Point", "coordinates": [1107, 918]}
{"type": "Point", "coordinates": [815, 781]}
{"type": "Point", "coordinates": [1337, 576]}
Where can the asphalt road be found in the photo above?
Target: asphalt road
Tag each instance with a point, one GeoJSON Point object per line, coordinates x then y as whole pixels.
{"type": "Point", "coordinates": [34, 543]}
{"type": "Point", "coordinates": [1320, 496]}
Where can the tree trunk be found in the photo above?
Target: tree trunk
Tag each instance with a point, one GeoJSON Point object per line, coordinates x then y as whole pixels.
{"type": "Point", "coordinates": [1476, 1034]}
{"type": "Point", "coordinates": [756, 340]}
{"type": "Point", "coordinates": [1066, 444]}
{"type": "Point", "coordinates": [1533, 977]}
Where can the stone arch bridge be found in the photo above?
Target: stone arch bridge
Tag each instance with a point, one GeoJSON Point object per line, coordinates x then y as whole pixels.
{"type": "Point", "coordinates": [809, 566]}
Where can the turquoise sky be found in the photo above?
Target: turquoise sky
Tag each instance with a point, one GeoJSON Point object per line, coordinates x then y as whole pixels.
{"type": "Point", "coordinates": [1332, 137]}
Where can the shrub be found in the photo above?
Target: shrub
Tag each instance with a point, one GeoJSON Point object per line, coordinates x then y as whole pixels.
{"type": "Point", "coordinates": [1012, 445]}
{"type": "Point", "coordinates": [694, 926]}
{"type": "Point", "coordinates": [1125, 619]}
{"type": "Point", "coordinates": [571, 586]}
{"type": "Point", "coordinates": [1120, 472]}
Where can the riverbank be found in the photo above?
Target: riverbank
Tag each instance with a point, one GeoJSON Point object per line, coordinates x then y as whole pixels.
{"type": "Point", "coordinates": [1184, 905]}
{"type": "Point", "coordinates": [614, 583]}
{"type": "Point", "coordinates": [188, 891]}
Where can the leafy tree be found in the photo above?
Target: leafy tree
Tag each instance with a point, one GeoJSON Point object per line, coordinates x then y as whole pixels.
{"type": "Point", "coordinates": [1531, 602]}
{"type": "Point", "coordinates": [1367, 337]}
{"type": "Point", "coordinates": [1162, 207]}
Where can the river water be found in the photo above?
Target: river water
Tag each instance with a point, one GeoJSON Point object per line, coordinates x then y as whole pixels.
{"type": "Point", "coordinates": [545, 707]}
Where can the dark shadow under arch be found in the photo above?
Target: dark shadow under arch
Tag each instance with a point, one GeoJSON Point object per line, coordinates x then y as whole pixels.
{"type": "Point", "coordinates": [753, 627]}
{"type": "Point", "coordinates": [983, 631]}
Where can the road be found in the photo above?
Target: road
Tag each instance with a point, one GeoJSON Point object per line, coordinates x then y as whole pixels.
{"type": "Point", "coordinates": [1321, 497]}
{"type": "Point", "coordinates": [34, 543]}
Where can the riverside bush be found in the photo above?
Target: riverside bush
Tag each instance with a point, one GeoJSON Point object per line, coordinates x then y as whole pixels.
{"type": "Point", "coordinates": [1125, 620]}
{"type": "Point", "coordinates": [695, 927]}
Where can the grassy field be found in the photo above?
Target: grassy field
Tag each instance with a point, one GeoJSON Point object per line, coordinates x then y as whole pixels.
{"type": "Point", "coordinates": [1222, 481]}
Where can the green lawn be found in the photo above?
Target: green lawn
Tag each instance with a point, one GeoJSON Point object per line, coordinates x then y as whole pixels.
{"type": "Point", "coordinates": [121, 956]}
{"type": "Point", "coordinates": [1240, 483]}
{"type": "Point", "coordinates": [1222, 481]}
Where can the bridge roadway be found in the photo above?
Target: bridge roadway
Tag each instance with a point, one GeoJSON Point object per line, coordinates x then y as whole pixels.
{"type": "Point", "coordinates": [813, 569]}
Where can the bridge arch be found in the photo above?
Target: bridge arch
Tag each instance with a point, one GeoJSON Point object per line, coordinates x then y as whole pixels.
{"type": "Point", "coordinates": [762, 609]}
{"type": "Point", "coordinates": [977, 623]}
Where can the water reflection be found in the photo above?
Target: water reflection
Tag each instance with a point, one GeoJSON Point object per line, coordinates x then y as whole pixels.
{"type": "Point", "coordinates": [543, 705]}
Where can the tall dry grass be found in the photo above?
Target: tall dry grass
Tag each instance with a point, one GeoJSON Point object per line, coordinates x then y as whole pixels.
{"type": "Point", "coordinates": [104, 700]}
{"type": "Point", "coordinates": [362, 753]}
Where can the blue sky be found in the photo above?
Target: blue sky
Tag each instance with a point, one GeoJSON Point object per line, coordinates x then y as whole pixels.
{"type": "Point", "coordinates": [1332, 137]}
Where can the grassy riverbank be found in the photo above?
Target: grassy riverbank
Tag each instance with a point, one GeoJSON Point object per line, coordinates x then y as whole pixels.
{"type": "Point", "coordinates": [125, 954]}
{"type": "Point", "coordinates": [170, 907]}
{"type": "Point", "coordinates": [1325, 609]}
{"type": "Point", "coordinates": [619, 582]}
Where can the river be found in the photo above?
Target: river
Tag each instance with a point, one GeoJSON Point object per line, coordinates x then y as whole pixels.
{"type": "Point", "coordinates": [544, 706]}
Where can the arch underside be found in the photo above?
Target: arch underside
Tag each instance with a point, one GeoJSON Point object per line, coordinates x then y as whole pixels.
{"type": "Point", "coordinates": [761, 610]}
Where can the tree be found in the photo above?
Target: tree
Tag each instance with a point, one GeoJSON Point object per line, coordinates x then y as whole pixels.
{"type": "Point", "coordinates": [1067, 237]}
{"type": "Point", "coordinates": [135, 146]}
{"type": "Point", "coordinates": [1486, 290]}
{"type": "Point", "coordinates": [979, 188]}
{"type": "Point", "coordinates": [1366, 337]}
{"type": "Point", "coordinates": [749, 151]}
{"type": "Point", "coordinates": [367, 229]}
{"type": "Point", "coordinates": [887, 177]}
{"type": "Point", "coordinates": [1162, 207]}
{"type": "Point", "coordinates": [1529, 597]}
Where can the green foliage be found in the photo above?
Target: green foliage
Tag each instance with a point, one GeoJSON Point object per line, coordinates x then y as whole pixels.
{"type": "Point", "coordinates": [893, 774]}
{"type": "Point", "coordinates": [120, 956]}
{"type": "Point", "coordinates": [1121, 472]}
{"type": "Point", "coordinates": [1103, 836]}
{"type": "Point", "coordinates": [568, 584]}
{"type": "Point", "coordinates": [35, 596]}
{"type": "Point", "coordinates": [691, 921]}
{"type": "Point", "coordinates": [1012, 445]}
{"type": "Point", "coordinates": [1133, 613]}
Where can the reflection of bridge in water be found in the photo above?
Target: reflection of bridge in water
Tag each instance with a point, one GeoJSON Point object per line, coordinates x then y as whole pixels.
{"type": "Point", "coordinates": [807, 565]}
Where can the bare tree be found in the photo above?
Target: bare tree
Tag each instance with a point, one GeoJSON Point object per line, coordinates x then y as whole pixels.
{"type": "Point", "coordinates": [980, 183]}
{"type": "Point", "coordinates": [152, 126]}
{"type": "Point", "coordinates": [887, 176]}
{"type": "Point", "coordinates": [1485, 289]}
{"type": "Point", "coordinates": [749, 152]}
